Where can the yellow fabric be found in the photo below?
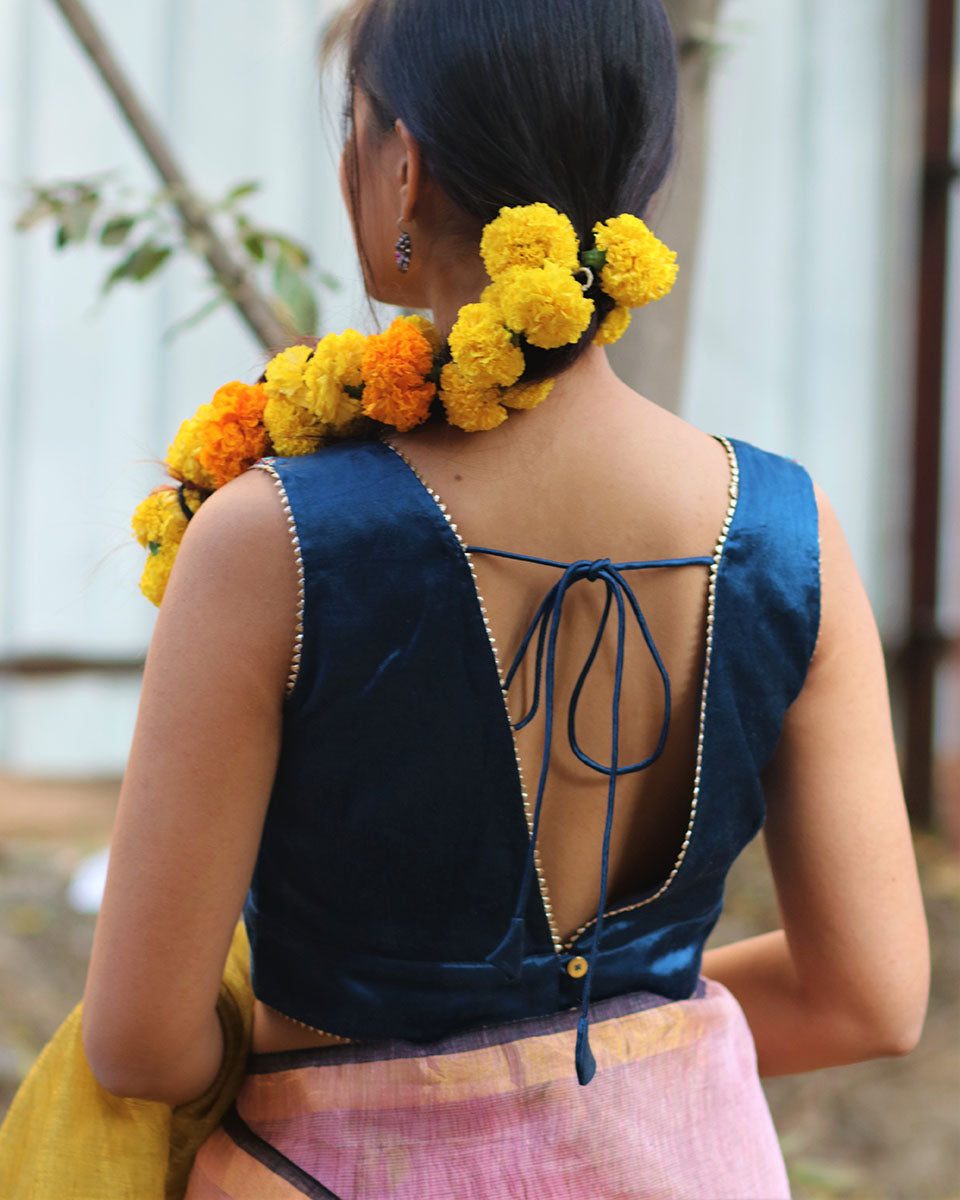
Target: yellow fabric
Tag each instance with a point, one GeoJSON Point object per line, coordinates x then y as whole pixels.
{"type": "Point", "coordinates": [67, 1138]}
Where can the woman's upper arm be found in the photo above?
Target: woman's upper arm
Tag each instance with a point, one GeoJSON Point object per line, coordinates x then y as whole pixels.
{"type": "Point", "coordinates": [837, 832]}
{"type": "Point", "coordinates": [197, 783]}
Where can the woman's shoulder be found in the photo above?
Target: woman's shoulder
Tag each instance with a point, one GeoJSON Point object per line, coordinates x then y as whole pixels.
{"type": "Point", "coordinates": [238, 543]}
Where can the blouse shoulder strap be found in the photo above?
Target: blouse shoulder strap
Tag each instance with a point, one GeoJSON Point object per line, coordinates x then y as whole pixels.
{"type": "Point", "coordinates": [768, 599]}
{"type": "Point", "coordinates": [349, 517]}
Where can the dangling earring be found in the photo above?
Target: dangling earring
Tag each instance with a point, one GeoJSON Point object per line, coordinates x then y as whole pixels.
{"type": "Point", "coordinates": [404, 249]}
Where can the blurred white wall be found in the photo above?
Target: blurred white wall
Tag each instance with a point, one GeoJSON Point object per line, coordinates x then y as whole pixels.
{"type": "Point", "coordinates": [804, 310]}
{"type": "Point", "coordinates": [800, 336]}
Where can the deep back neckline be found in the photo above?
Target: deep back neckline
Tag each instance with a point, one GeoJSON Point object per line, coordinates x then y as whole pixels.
{"type": "Point", "coordinates": [636, 900]}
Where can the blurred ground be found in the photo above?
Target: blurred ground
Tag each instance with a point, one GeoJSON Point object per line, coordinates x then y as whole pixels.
{"type": "Point", "coordinates": [885, 1130]}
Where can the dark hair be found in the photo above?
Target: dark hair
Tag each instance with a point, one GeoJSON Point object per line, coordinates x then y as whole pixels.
{"type": "Point", "coordinates": [571, 102]}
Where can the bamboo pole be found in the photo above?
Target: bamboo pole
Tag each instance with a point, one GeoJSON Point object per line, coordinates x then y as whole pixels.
{"type": "Point", "coordinates": [927, 642]}
{"type": "Point", "coordinates": [254, 308]}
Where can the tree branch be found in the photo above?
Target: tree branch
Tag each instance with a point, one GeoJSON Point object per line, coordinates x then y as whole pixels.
{"type": "Point", "coordinates": [249, 301]}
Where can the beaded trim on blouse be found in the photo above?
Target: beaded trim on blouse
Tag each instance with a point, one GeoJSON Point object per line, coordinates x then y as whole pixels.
{"type": "Point", "coordinates": [266, 464]}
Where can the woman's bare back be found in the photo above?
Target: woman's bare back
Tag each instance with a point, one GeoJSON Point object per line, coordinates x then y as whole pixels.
{"type": "Point", "coordinates": [637, 484]}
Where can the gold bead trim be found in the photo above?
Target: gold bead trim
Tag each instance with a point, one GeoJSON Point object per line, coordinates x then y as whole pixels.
{"type": "Point", "coordinates": [527, 806]}
{"type": "Point", "coordinates": [312, 1028]}
{"type": "Point", "coordinates": [734, 492]}
{"type": "Point", "coordinates": [301, 585]}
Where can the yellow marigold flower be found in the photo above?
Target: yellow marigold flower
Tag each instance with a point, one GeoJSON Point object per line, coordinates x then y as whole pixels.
{"type": "Point", "coordinates": [396, 364]}
{"type": "Point", "coordinates": [159, 524]}
{"type": "Point", "coordinates": [193, 497]}
{"type": "Point", "coordinates": [284, 375]}
{"type": "Point", "coordinates": [183, 453]}
{"type": "Point", "coordinates": [158, 519]}
{"type": "Point", "coordinates": [529, 235]}
{"type": "Point", "coordinates": [483, 348]}
{"type": "Point", "coordinates": [639, 267]}
{"type": "Point", "coordinates": [472, 408]}
{"type": "Point", "coordinates": [527, 395]}
{"type": "Point", "coordinates": [156, 573]}
{"type": "Point", "coordinates": [293, 430]}
{"type": "Point", "coordinates": [233, 436]}
{"type": "Point", "coordinates": [612, 327]}
{"type": "Point", "coordinates": [546, 304]}
{"type": "Point", "coordinates": [335, 366]}
{"type": "Point", "coordinates": [429, 331]}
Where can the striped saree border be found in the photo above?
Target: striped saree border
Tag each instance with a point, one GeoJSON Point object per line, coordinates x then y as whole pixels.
{"type": "Point", "coordinates": [470, 1067]}
{"type": "Point", "coordinates": [675, 1109]}
{"type": "Point", "coordinates": [459, 1043]}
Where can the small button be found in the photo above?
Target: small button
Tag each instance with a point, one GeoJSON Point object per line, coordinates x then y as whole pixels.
{"type": "Point", "coordinates": [577, 967]}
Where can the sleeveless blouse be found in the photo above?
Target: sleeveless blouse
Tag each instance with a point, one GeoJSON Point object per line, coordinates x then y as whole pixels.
{"type": "Point", "coordinates": [397, 891]}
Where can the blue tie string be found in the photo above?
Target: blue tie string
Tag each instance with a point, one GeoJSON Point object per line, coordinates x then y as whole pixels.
{"type": "Point", "coordinates": [509, 954]}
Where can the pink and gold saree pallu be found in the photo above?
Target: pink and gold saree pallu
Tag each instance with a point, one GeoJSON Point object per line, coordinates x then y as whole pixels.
{"type": "Point", "coordinates": [675, 1111]}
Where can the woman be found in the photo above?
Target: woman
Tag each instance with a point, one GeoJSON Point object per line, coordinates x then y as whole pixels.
{"type": "Point", "coordinates": [508, 1006]}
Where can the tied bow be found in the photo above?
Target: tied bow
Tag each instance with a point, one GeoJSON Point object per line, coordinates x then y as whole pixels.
{"type": "Point", "coordinates": [509, 954]}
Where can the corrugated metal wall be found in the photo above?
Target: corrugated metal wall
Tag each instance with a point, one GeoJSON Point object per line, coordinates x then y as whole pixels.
{"type": "Point", "coordinates": [798, 339]}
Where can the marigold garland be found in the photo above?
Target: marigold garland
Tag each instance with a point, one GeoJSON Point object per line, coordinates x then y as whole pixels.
{"type": "Point", "coordinates": [613, 326]}
{"type": "Point", "coordinates": [349, 385]}
{"type": "Point", "coordinates": [235, 437]}
{"type": "Point", "coordinates": [638, 267]}
{"type": "Point", "coordinates": [546, 304]}
{"type": "Point", "coordinates": [293, 429]}
{"type": "Point", "coordinates": [159, 524]}
{"type": "Point", "coordinates": [472, 408]}
{"type": "Point", "coordinates": [484, 348]}
{"type": "Point", "coordinates": [529, 235]}
{"type": "Point", "coordinates": [333, 379]}
{"type": "Point", "coordinates": [395, 366]}
{"type": "Point", "coordinates": [285, 376]}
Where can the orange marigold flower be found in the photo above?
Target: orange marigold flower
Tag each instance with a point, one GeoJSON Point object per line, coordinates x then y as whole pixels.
{"type": "Point", "coordinates": [233, 436]}
{"type": "Point", "coordinates": [395, 366]}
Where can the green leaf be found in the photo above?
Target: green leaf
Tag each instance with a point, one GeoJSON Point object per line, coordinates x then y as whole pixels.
{"type": "Point", "coordinates": [139, 264]}
{"type": "Point", "coordinates": [240, 192]}
{"type": "Point", "coordinates": [296, 296]}
{"type": "Point", "coordinates": [116, 231]}
{"type": "Point", "coordinates": [254, 245]}
{"type": "Point", "coordinates": [75, 217]}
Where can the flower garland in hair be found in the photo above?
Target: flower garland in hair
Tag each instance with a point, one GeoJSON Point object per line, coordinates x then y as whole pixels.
{"type": "Point", "coordinates": [350, 385]}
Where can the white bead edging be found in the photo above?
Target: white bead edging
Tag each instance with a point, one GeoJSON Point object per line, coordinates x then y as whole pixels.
{"type": "Point", "coordinates": [337, 1037]}
{"type": "Point", "coordinates": [266, 465]}
{"type": "Point", "coordinates": [527, 807]}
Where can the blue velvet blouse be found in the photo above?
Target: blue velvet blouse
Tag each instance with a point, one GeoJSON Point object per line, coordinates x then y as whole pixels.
{"type": "Point", "coordinates": [395, 893]}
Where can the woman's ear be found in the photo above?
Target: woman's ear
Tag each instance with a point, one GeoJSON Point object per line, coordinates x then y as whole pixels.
{"type": "Point", "coordinates": [409, 171]}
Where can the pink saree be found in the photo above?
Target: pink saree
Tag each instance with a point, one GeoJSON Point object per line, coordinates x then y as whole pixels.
{"type": "Point", "coordinates": [675, 1111]}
